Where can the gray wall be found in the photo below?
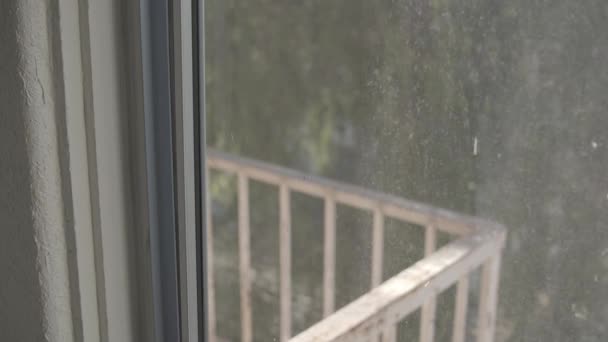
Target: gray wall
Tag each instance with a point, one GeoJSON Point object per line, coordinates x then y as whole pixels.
{"type": "Point", "coordinates": [34, 286]}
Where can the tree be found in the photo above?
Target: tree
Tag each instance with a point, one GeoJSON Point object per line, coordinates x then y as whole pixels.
{"type": "Point", "coordinates": [394, 95]}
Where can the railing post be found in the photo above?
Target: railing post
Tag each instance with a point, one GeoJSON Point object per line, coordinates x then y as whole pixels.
{"type": "Point", "coordinates": [460, 310]}
{"type": "Point", "coordinates": [329, 257]}
{"type": "Point", "coordinates": [427, 320]}
{"type": "Point", "coordinates": [489, 299]}
{"type": "Point", "coordinates": [389, 333]}
{"type": "Point", "coordinates": [285, 262]}
{"type": "Point", "coordinates": [415, 287]}
{"type": "Point", "coordinates": [244, 258]}
{"type": "Point", "coordinates": [377, 256]}
{"type": "Point", "coordinates": [377, 248]}
{"type": "Point", "coordinates": [210, 269]}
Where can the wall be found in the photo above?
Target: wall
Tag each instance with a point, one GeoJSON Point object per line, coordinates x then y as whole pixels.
{"type": "Point", "coordinates": [34, 291]}
{"type": "Point", "coordinates": [69, 241]}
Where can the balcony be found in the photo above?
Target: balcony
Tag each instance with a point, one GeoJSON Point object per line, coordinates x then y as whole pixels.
{"type": "Point", "coordinates": [474, 243]}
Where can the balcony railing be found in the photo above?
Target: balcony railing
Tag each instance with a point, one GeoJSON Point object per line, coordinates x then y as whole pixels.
{"type": "Point", "coordinates": [375, 315]}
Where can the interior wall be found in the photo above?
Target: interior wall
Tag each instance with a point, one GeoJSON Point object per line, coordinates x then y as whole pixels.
{"type": "Point", "coordinates": [34, 283]}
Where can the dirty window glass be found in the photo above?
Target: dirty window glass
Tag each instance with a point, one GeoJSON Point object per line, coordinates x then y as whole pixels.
{"type": "Point", "coordinates": [494, 109]}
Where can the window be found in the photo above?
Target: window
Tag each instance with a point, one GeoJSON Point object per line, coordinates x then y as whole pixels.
{"type": "Point", "coordinates": [488, 109]}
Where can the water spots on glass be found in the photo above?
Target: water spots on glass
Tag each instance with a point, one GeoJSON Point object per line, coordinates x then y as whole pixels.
{"type": "Point", "coordinates": [475, 146]}
{"type": "Point", "coordinates": [594, 145]}
{"type": "Point", "coordinates": [403, 97]}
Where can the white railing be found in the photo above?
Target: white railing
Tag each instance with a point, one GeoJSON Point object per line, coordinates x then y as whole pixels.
{"type": "Point", "coordinates": [376, 314]}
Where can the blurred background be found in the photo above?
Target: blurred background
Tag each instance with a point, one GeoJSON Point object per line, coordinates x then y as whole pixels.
{"type": "Point", "coordinates": [492, 108]}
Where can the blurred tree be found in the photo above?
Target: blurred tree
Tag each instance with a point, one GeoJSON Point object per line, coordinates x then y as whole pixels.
{"type": "Point", "coordinates": [484, 106]}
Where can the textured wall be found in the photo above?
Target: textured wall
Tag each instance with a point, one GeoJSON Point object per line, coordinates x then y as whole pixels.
{"type": "Point", "coordinates": [34, 286]}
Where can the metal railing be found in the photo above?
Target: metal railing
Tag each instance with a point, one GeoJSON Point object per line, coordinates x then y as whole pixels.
{"type": "Point", "coordinates": [375, 314]}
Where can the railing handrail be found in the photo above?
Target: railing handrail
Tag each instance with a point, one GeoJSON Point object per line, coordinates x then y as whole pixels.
{"type": "Point", "coordinates": [387, 304]}
{"type": "Point", "coordinates": [391, 205]}
{"type": "Point", "coordinates": [377, 312]}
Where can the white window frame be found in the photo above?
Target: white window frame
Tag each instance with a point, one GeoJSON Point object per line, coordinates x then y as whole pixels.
{"type": "Point", "coordinates": [107, 82]}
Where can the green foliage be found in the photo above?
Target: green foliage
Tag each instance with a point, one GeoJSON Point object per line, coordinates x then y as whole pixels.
{"type": "Point", "coordinates": [392, 95]}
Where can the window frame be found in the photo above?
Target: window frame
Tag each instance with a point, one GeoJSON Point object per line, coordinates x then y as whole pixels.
{"type": "Point", "coordinates": [168, 53]}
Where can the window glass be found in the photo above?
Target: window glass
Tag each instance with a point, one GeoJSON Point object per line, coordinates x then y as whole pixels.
{"type": "Point", "coordinates": [496, 109]}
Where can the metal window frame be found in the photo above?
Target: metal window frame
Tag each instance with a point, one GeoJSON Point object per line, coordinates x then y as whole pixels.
{"type": "Point", "coordinates": [172, 70]}
{"type": "Point", "coordinates": [158, 135]}
{"type": "Point", "coordinates": [198, 30]}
